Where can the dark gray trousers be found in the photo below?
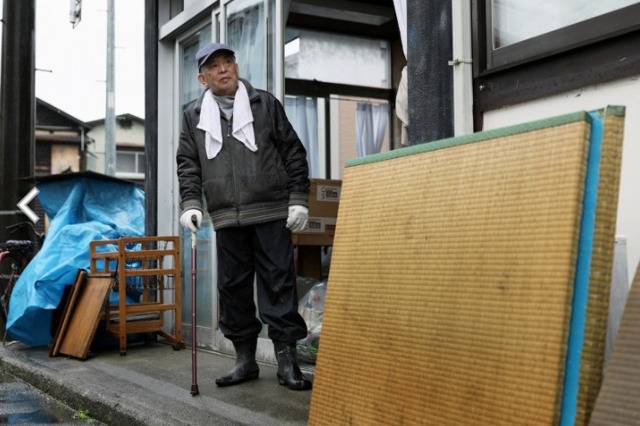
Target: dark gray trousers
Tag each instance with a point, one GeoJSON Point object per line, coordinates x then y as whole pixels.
{"type": "Point", "coordinates": [266, 250]}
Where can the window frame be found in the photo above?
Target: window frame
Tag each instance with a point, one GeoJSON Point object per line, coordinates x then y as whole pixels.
{"type": "Point", "coordinates": [591, 59]}
{"type": "Point", "coordinates": [601, 27]}
{"type": "Point", "coordinates": [136, 154]}
{"type": "Point", "coordinates": [319, 89]}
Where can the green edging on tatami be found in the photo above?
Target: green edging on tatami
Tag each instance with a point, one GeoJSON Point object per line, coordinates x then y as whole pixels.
{"type": "Point", "coordinates": [617, 110]}
{"type": "Point", "coordinates": [611, 111]}
{"type": "Point", "coordinates": [475, 137]}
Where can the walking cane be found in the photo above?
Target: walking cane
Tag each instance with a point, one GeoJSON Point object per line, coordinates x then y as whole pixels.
{"type": "Point", "coordinates": [194, 360]}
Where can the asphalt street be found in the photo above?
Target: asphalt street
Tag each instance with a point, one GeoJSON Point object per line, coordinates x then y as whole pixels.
{"type": "Point", "coordinates": [21, 403]}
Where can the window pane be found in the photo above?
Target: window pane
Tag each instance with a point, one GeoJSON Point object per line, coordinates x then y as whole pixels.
{"type": "Point", "coordinates": [360, 126]}
{"type": "Point", "coordinates": [337, 58]}
{"type": "Point", "coordinates": [247, 36]}
{"type": "Point", "coordinates": [518, 20]}
{"type": "Point", "coordinates": [205, 275]}
{"type": "Point", "coordinates": [126, 162]}
{"type": "Point", "coordinates": [190, 88]}
{"type": "Point", "coordinates": [371, 127]}
{"type": "Point", "coordinates": [141, 163]}
{"type": "Point", "coordinates": [302, 112]}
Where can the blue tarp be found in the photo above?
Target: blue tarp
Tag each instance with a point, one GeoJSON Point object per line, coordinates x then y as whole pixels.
{"type": "Point", "coordinates": [80, 209]}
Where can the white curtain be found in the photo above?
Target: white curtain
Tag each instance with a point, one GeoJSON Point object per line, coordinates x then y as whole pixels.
{"type": "Point", "coordinates": [246, 34]}
{"type": "Point", "coordinates": [371, 125]}
{"type": "Point", "coordinates": [303, 115]}
{"type": "Point", "coordinates": [402, 97]}
{"type": "Point", "coordinates": [402, 107]}
{"type": "Point", "coordinates": [401, 15]}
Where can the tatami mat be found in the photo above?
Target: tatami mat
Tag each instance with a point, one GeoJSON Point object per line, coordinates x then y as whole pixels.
{"type": "Point", "coordinates": [450, 289]}
{"type": "Point", "coordinates": [601, 263]}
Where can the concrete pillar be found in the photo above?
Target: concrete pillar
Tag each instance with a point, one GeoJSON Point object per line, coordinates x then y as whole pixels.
{"type": "Point", "coordinates": [430, 78]}
{"type": "Point", "coordinates": [151, 116]}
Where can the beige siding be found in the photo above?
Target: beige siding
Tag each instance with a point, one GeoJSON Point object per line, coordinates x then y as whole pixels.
{"type": "Point", "coordinates": [130, 137]}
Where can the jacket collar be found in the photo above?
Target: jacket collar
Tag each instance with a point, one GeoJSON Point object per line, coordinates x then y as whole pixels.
{"type": "Point", "coordinates": [253, 95]}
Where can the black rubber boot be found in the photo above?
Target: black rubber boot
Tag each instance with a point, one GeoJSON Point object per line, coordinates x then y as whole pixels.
{"type": "Point", "coordinates": [246, 367]}
{"type": "Point", "coordinates": [289, 373]}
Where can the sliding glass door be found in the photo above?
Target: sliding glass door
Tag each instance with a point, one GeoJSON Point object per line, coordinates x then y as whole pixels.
{"type": "Point", "coordinates": [189, 89]}
{"type": "Point", "coordinates": [250, 33]}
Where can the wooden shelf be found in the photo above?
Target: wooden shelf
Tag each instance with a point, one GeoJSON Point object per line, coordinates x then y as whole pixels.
{"type": "Point", "coordinates": [158, 257]}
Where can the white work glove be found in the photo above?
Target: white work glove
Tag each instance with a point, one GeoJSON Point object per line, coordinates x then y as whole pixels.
{"type": "Point", "coordinates": [185, 219]}
{"type": "Point", "coordinates": [298, 216]}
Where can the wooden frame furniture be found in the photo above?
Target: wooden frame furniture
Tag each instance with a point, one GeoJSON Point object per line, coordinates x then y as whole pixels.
{"type": "Point", "coordinates": [68, 302]}
{"type": "Point", "coordinates": [82, 315]}
{"type": "Point", "coordinates": [152, 265]}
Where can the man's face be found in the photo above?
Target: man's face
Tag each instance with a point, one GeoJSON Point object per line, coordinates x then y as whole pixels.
{"type": "Point", "coordinates": [220, 74]}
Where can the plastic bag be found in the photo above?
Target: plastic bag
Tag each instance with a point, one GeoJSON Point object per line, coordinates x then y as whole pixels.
{"type": "Point", "coordinates": [311, 308]}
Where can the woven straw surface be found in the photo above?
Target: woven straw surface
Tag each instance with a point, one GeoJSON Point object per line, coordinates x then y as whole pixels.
{"type": "Point", "coordinates": [601, 264]}
{"type": "Point", "coordinates": [451, 282]}
{"type": "Point", "coordinates": [619, 399]}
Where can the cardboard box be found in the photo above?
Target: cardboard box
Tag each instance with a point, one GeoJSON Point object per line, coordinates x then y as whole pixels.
{"type": "Point", "coordinates": [324, 199]}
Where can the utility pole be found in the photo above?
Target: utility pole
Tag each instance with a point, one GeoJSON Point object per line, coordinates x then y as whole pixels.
{"type": "Point", "coordinates": [110, 118]}
{"type": "Point", "coordinates": [17, 110]}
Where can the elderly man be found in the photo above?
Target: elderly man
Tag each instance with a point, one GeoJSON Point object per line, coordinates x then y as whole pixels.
{"type": "Point", "coordinates": [238, 148]}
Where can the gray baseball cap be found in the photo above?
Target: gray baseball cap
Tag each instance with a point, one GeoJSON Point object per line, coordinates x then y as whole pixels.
{"type": "Point", "coordinates": [210, 49]}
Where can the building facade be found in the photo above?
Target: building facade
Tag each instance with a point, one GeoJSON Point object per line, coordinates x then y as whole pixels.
{"type": "Point", "coordinates": [336, 66]}
{"type": "Point", "coordinates": [61, 141]}
{"type": "Point", "coordinates": [130, 157]}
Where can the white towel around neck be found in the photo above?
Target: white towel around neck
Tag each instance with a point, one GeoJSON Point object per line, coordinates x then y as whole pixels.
{"type": "Point", "coordinates": [242, 122]}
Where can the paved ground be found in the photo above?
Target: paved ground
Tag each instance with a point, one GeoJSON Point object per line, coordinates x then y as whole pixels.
{"type": "Point", "coordinates": [151, 386]}
{"type": "Point", "coordinates": [21, 403]}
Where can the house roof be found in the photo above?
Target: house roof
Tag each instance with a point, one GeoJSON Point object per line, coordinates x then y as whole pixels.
{"type": "Point", "coordinates": [119, 117]}
{"type": "Point", "coordinates": [50, 116]}
{"type": "Point", "coordinates": [76, 175]}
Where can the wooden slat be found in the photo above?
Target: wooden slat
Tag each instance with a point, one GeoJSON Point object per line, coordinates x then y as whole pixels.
{"type": "Point", "coordinates": [96, 243]}
{"type": "Point", "coordinates": [105, 255]}
{"type": "Point", "coordinates": [135, 240]}
{"type": "Point", "coordinates": [143, 326]}
{"type": "Point", "coordinates": [85, 316]}
{"type": "Point", "coordinates": [143, 307]}
{"type": "Point", "coordinates": [149, 254]}
{"type": "Point", "coordinates": [148, 272]}
{"type": "Point", "coordinates": [62, 329]}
